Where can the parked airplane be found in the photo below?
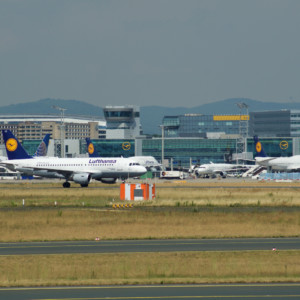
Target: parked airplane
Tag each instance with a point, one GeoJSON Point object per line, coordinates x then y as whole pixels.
{"type": "Point", "coordinates": [213, 169]}
{"type": "Point", "coordinates": [41, 149]}
{"type": "Point", "coordinates": [79, 170]}
{"type": "Point", "coordinates": [43, 146]}
{"type": "Point", "coordinates": [288, 164]}
{"type": "Point", "coordinates": [149, 162]}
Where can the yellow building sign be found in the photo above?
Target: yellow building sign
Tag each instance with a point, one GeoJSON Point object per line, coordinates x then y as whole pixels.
{"type": "Point", "coordinates": [231, 117]}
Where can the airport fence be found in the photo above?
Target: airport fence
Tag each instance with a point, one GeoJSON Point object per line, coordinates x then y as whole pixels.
{"type": "Point", "coordinates": [280, 176]}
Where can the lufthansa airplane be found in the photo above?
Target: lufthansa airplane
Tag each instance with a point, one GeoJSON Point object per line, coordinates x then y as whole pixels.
{"type": "Point", "coordinates": [288, 164]}
{"type": "Point", "coordinates": [79, 170]}
{"type": "Point", "coordinates": [149, 162]}
{"type": "Point", "coordinates": [41, 150]}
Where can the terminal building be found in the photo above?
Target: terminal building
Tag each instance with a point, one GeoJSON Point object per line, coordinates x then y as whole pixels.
{"type": "Point", "coordinates": [186, 139]}
{"type": "Point", "coordinates": [30, 130]}
{"type": "Point", "coordinates": [202, 126]}
{"type": "Point", "coordinates": [282, 123]}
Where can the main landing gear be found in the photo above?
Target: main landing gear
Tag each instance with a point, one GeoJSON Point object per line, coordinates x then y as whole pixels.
{"type": "Point", "coordinates": [66, 184]}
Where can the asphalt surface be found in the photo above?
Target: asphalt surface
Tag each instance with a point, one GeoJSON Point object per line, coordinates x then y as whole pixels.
{"type": "Point", "coordinates": [162, 292]}
{"type": "Point", "coordinates": [116, 246]}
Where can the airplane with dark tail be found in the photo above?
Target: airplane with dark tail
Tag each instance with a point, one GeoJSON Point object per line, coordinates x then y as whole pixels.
{"type": "Point", "coordinates": [148, 162]}
{"type": "Point", "coordinates": [287, 164]}
{"type": "Point", "coordinates": [79, 170]}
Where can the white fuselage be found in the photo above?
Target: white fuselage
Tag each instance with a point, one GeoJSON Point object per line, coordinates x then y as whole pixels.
{"type": "Point", "coordinates": [280, 163]}
{"type": "Point", "coordinates": [97, 167]}
{"type": "Point", "coordinates": [214, 168]}
{"type": "Point", "coordinates": [146, 161]}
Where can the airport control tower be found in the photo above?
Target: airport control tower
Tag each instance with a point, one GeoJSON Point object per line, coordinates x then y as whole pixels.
{"type": "Point", "coordinates": [122, 122]}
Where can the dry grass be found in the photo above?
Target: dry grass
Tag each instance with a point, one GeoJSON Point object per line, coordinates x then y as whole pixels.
{"type": "Point", "coordinates": [197, 211]}
{"type": "Point", "coordinates": [150, 268]}
{"type": "Point", "coordinates": [43, 194]}
{"type": "Point", "coordinates": [86, 224]}
{"type": "Point", "coordinates": [205, 193]}
{"type": "Point", "coordinates": [192, 212]}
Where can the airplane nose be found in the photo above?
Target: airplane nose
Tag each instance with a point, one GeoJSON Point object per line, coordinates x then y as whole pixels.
{"type": "Point", "coordinates": [142, 169]}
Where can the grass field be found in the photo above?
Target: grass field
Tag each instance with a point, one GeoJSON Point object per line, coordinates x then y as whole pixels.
{"type": "Point", "coordinates": [150, 268]}
{"type": "Point", "coordinates": [205, 210]}
{"type": "Point", "coordinates": [86, 224]}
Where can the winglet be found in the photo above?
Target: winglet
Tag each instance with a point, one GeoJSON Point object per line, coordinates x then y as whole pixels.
{"type": "Point", "coordinates": [13, 147]}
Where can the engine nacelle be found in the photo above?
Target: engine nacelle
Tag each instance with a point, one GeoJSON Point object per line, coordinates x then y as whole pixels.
{"type": "Point", "coordinates": [108, 180]}
{"type": "Point", "coordinates": [82, 178]}
{"type": "Point", "coordinates": [26, 171]}
{"type": "Point", "coordinates": [223, 174]}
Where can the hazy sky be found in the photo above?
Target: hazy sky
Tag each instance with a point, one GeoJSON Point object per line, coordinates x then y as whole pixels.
{"type": "Point", "coordinates": [149, 52]}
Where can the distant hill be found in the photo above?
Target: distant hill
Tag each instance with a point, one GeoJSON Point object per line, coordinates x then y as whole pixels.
{"type": "Point", "coordinates": [151, 116]}
{"type": "Point", "coordinates": [44, 106]}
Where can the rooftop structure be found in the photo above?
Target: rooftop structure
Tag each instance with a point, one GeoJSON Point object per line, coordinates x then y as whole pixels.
{"type": "Point", "coordinates": [202, 126]}
{"type": "Point", "coordinates": [122, 122]}
{"type": "Point", "coordinates": [34, 127]}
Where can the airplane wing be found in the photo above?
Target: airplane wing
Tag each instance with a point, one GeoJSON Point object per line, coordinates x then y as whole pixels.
{"type": "Point", "coordinates": [264, 159]}
{"type": "Point", "coordinates": [294, 167]}
{"type": "Point", "coordinates": [234, 169]}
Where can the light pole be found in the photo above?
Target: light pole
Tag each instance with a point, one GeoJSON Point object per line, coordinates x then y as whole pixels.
{"type": "Point", "coordinates": [241, 148]}
{"type": "Point", "coordinates": [162, 146]}
{"type": "Point", "coordinates": [62, 129]}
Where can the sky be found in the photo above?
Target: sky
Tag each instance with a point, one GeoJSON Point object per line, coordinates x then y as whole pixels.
{"type": "Point", "coordinates": [149, 52]}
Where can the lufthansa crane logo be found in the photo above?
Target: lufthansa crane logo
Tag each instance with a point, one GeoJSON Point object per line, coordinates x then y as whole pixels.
{"type": "Point", "coordinates": [258, 147]}
{"type": "Point", "coordinates": [283, 145]}
{"type": "Point", "coordinates": [11, 145]}
{"type": "Point", "coordinates": [126, 146]}
{"type": "Point", "coordinates": [91, 148]}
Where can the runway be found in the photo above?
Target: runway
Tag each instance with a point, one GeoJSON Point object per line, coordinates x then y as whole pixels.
{"type": "Point", "coordinates": [161, 292]}
{"type": "Point", "coordinates": [115, 246]}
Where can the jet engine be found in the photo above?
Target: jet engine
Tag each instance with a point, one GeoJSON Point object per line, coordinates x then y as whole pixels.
{"type": "Point", "coordinates": [82, 178]}
{"type": "Point", "coordinates": [223, 174]}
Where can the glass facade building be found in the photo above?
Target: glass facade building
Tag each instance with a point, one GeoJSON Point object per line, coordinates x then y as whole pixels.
{"type": "Point", "coordinates": [274, 147]}
{"type": "Point", "coordinates": [270, 124]}
{"type": "Point", "coordinates": [31, 145]}
{"type": "Point", "coordinates": [197, 125]}
{"type": "Point", "coordinates": [112, 148]}
{"type": "Point", "coordinates": [183, 151]}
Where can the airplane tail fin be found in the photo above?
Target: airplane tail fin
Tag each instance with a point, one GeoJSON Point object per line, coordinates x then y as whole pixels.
{"type": "Point", "coordinates": [91, 148]}
{"type": "Point", "coordinates": [13, 147]}
{"type": "Point", "coordinates": [43, 147]}
{"type": "Point", "coordinates": [260, 152]}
